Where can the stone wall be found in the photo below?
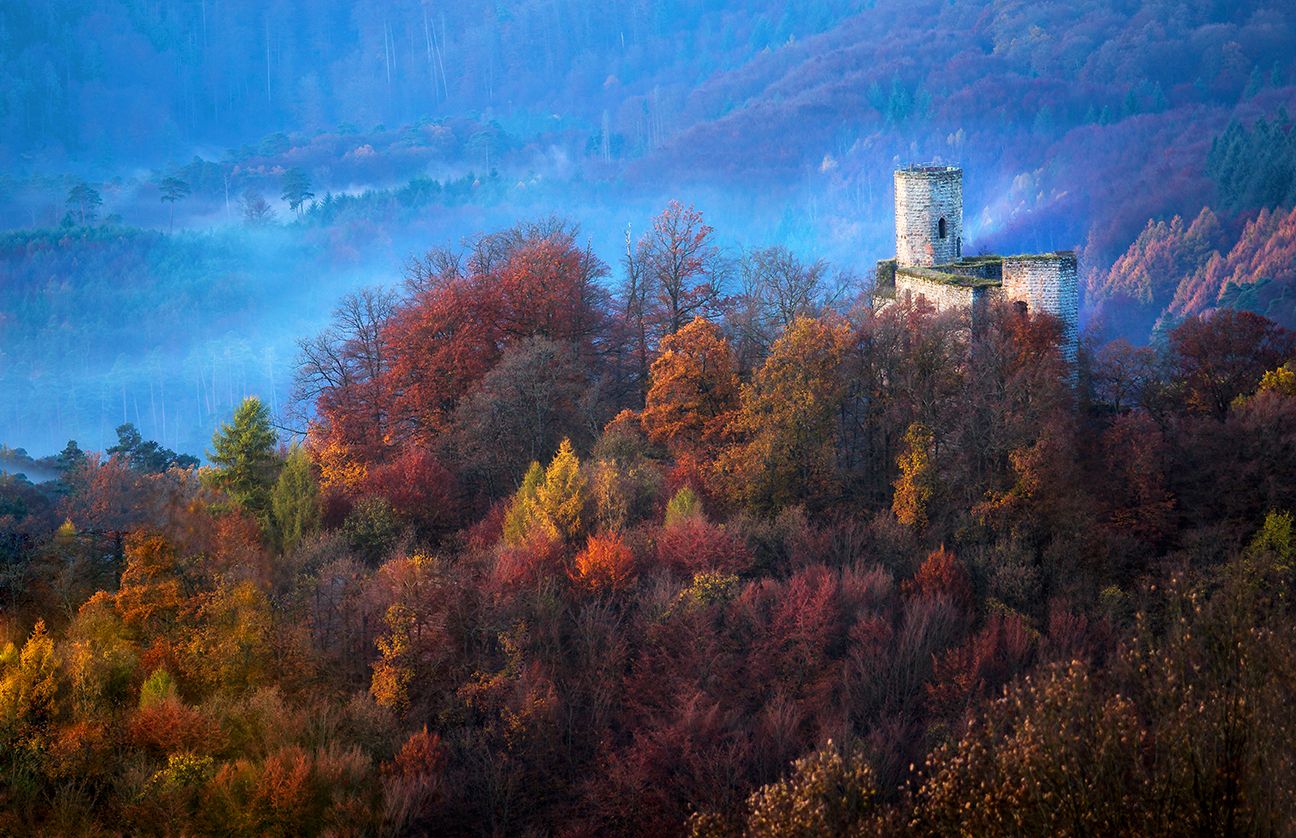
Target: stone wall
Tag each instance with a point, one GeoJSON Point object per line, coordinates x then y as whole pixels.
{"type": "Point", "coordinates": [982, 267]}
{"type": "Point", "coordinates": [924, 196]}
{"type": "Point", "coordinates": [1049, 283]}
{"type": "Point", "coordinates": [943, 296]}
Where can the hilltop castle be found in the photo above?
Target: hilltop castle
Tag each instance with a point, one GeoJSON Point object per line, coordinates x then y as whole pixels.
{"type": "Point", "coordinates": [929, 259]}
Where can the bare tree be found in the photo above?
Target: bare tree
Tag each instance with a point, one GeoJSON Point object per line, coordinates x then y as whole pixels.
{"type": "Point", "coordinates": [488, 252]}
{"type": "Point", "coordinates": [432, 269]}
{"type": "Point", "coordinates": [256, 209]}
{"type": "Point", "coordinates": [684, 266]}
{"type": "Point", "coordinates": [634, 298]}
{"type": "Point", "coordinates": [346, 361]}
{"type": "Point", "coordinates": [776, 289]}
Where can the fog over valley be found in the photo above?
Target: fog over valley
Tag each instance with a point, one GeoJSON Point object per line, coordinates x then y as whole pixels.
{"type": "Point", "coordinates": [413, 126]}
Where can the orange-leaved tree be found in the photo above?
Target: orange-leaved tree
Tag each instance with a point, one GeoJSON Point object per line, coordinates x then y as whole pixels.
{"type": "Point", "coordinates": [150, 597]}
{"type": "Point", "coordinates": [694, 388]}
{"type": "Point", "coordinates": [606, 564]}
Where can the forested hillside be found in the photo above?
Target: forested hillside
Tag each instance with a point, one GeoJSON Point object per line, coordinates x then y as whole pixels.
{"type": "Point", "coordinates": [476, 419]}
{"type": "Point", "coordinates": [662, 561]}
{"type": "Point", "coordinates": [410, 125]}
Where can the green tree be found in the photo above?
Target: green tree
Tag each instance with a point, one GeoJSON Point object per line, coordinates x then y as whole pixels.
{"type": "Point", "coordinates": [71, 457]}
{"type": "Point", "coordinates": [684, 506]}
{"type": "Point", "coordinates": [147, 456]}
{"type": "Point", "coordinates": [372, 529]}
{"type": "Point", "coordinates": [244, 457]}
{"type": "Point", "coordinates": [83, 202]}
{"type": "Point", "coordinates": [158, 687]}
{"type": "Point", "coordinates": [1276, 539]}
{"type": "Point", "coordinates": [296, 189]}
{"type": "Point", "coordinates": [294, 501]}
{"type": "Point", "coordinates": [173, 189]}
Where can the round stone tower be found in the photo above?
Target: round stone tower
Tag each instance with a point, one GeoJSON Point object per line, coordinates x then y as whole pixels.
{"type": "Point", "coordinates": [928, 215]}
{"type": "Point", "coordinates": [1047, 282]}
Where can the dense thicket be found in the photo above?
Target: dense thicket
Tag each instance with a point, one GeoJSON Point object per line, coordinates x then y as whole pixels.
{"type": "Point", "coordinates": [554, 559]}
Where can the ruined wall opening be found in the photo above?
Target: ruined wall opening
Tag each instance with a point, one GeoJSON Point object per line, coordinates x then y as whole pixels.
{"type": "Point", "coordinates": [940, 228]}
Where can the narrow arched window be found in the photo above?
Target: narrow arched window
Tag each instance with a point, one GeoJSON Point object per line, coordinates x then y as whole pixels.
{"type": "Point", "coordinates": [940, 228]}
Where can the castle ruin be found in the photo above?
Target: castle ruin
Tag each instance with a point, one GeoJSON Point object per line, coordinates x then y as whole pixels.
{"type": "Point", "coordinates": [929, 261]}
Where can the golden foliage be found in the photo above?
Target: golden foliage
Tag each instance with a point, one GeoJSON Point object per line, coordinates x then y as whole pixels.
{"type": "Point", "coordinates": [150, 596]}
{"type": "Point", "coordinates": [694, 387]}
{"type": "Point", "coordinates": [523, 514]}
{"type": "Point", "coordinates": [561, 500]}
{"type": "Point", "coordinates": [392, 672]}
{"type": "Point", "coordinates": [29, 680]}
{"type": "Point", "coordinates": [785, 425]}
{"type": "Point", "coordinates": [341, 470]}
{"type": "Point", "coordinates": [914, 486]}
{"type": "Point", "coordinates": [829, 792]}
{"type": "Point", "coordinates": [232, 644]}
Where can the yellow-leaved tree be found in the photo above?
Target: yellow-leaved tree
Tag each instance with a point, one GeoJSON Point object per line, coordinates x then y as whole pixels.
{"type": "Point", "coordinates": [392, 673]}
{"type": "Point", "coordinates": [916, 483]}
{"type": "Point", "coordinates": [29, 681]}
{"type": "Point", "coordinates": [523, 514]}
{"type": "Point", "coordinates": [785, 428]}
{"type": "Point", "coordinates": [561, 499]}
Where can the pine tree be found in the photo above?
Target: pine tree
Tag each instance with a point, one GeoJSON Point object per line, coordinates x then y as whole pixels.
{"type": "Point", "coordinates": [296, 189]}
{"type": "Point", "coordinates": [244, 457]}
{"type": "Point", "coordinates": [294, 501]}
{"type": "Point", "coordinates": [523, 512]}
{"type": "Point", "coordinates": [173, 189]}
{"type": "Point", "coordinates": [83, 201]}
{"type": "Point", "coordinates": [562, 497]}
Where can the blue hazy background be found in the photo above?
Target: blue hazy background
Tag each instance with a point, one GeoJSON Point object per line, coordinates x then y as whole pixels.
{"type": "Point", "coordinates": [420, 123]}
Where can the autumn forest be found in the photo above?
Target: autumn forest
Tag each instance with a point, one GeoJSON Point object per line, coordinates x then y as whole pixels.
{"type": "Point", "coordinates": [679, 529]}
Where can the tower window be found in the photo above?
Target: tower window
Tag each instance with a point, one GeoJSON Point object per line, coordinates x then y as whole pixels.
{"type": "Point", "coordinates": [940, 228]}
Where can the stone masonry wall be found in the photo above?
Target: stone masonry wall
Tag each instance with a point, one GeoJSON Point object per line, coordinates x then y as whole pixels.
{"type": "Point", "coordinates": [923, 196]}
{"type": "Point", "coordinates": [942, 296]}
{"type": "Point", "coordinates": [1049, 283]}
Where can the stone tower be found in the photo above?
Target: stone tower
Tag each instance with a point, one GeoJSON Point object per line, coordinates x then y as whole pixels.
{"type": "Point", "coordinates": [928, 215]}
{"type": "Point", "coordinates": [1047, 282]}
